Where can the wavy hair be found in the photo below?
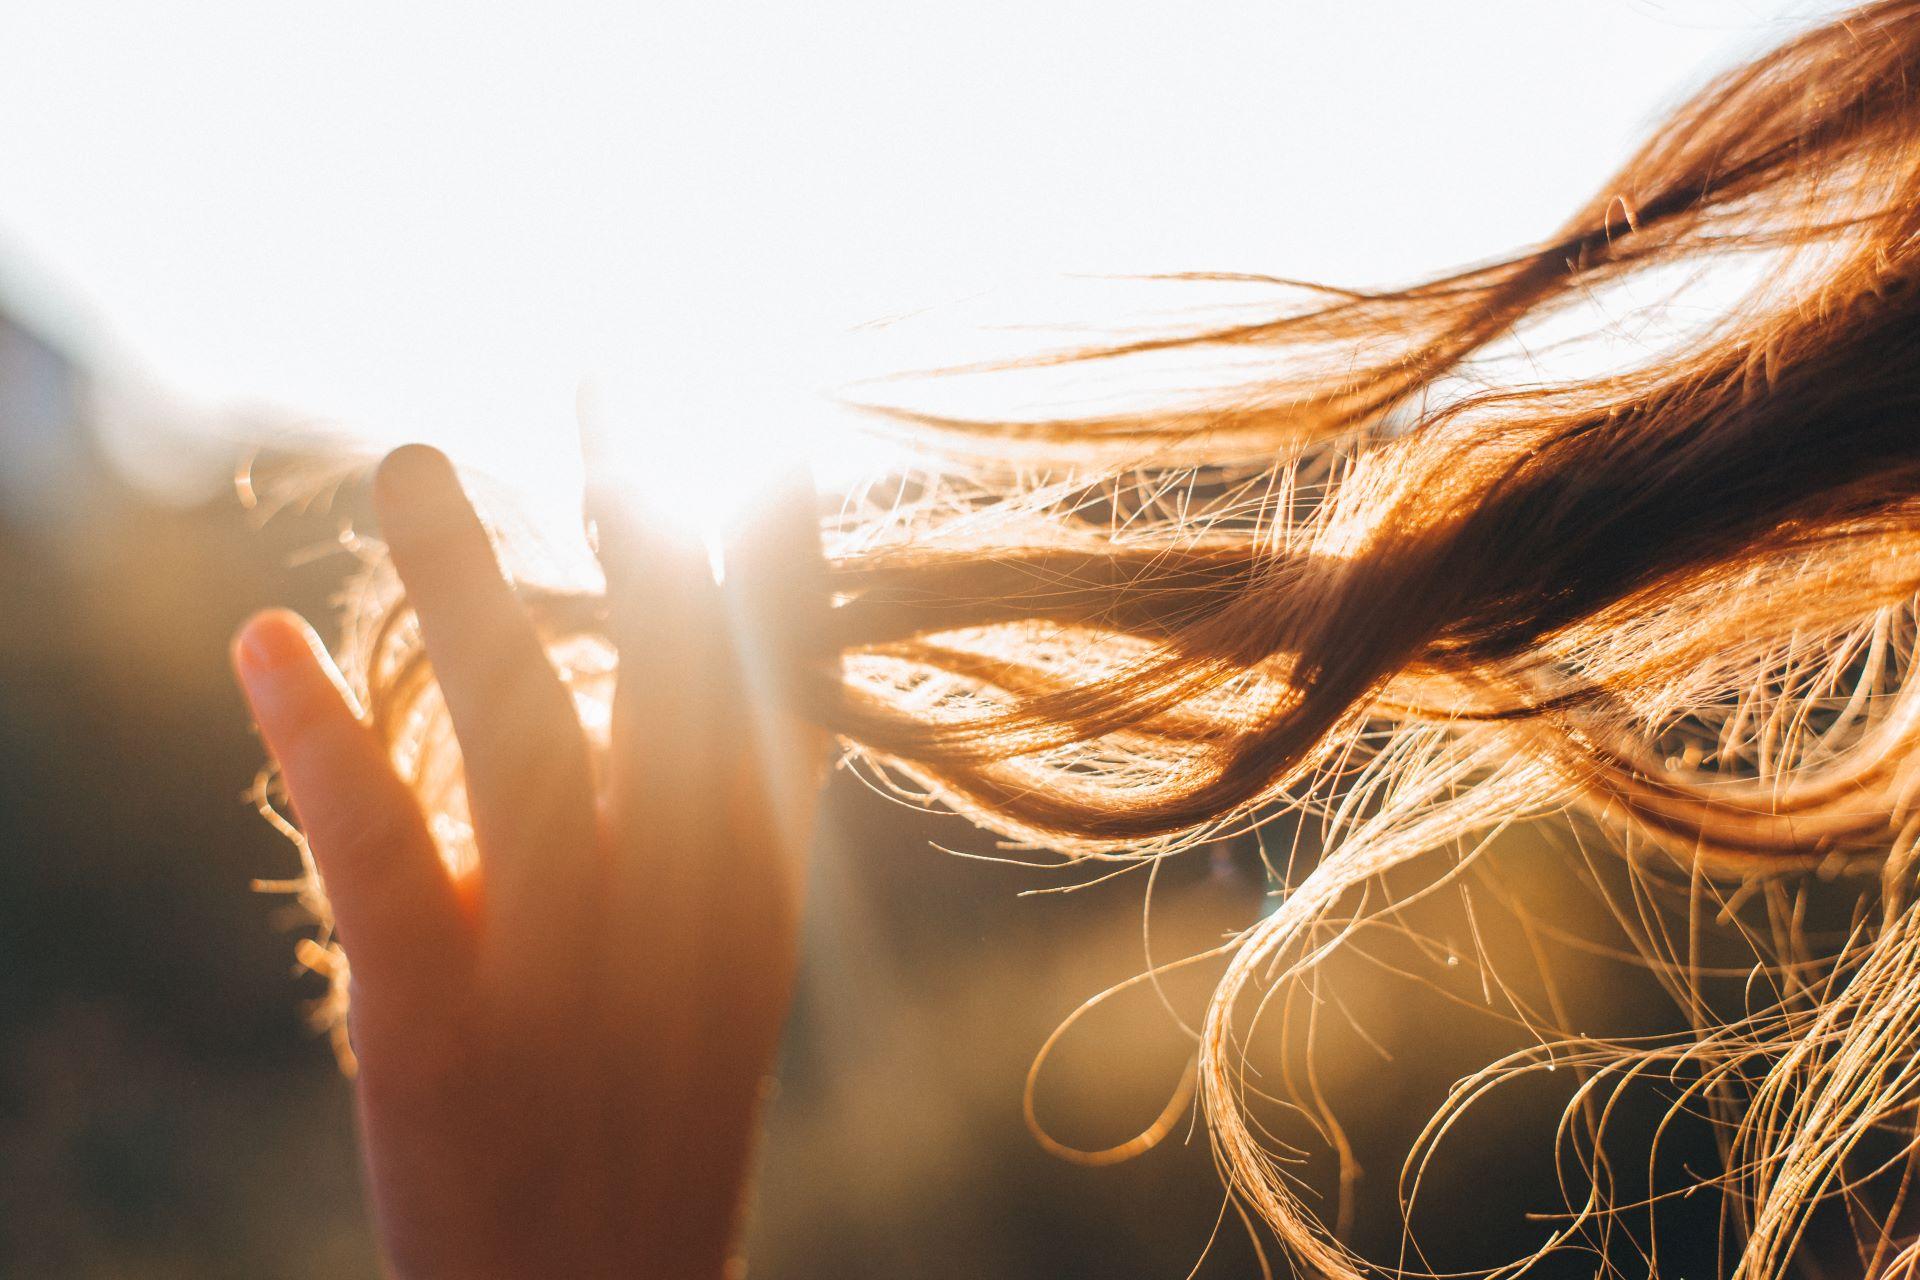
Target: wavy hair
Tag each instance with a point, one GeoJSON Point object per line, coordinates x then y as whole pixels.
{"type": "Point", "coordinates": [1368, 590]}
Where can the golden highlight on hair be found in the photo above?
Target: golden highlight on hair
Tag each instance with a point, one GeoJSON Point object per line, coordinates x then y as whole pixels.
{"type": "Point", "coordinates": [1677, 599]}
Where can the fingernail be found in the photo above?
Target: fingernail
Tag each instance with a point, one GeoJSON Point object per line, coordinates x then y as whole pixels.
{"type": "Point", "coordinates": [417, 490]}
{"type": "Point", "coordinates": [412, 466]}
{"type": "Point", "coordinates": [274, 640]}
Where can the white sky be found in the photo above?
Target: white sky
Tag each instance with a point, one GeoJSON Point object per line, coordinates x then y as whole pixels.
{"type": "Point", "coordinates": [432, 219]}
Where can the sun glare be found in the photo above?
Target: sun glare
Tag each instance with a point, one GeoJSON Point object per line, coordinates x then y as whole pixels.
{"type": "Point", "coordinates": [430, 221]}
{"type": "Point", "coordinates": [692, 459]}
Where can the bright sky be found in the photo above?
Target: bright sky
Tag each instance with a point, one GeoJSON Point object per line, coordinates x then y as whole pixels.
{"type": "Point", "coordinates": [432, 219]}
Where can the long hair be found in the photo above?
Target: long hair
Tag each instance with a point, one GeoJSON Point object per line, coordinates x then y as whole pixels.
{"type": "Point", "coordinates": [1676, 598]}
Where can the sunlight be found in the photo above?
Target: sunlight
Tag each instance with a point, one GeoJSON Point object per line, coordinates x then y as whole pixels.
{"type": "Point", "coordinates": [691, 456]}
{"type": "Point", "coordinates": [689, 467]}
{"type": "Point", "coordinates": [431, 221]}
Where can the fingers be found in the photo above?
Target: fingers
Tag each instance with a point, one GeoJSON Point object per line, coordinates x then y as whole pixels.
{"type": "Point", "coordinates": [776, 586]}
{"type": "Point", "coordinates": [776, 592]}
{"type": "Point", "coordinates": [395, 906]}
{"type": "Point", "coordinates": [713, 771]}
{"type": "Point", "coordinates": [703, 886]}
{"type": "Point", "coordinates": [529, 780]}
{"type": "Point", "coordinates": [676, 709]}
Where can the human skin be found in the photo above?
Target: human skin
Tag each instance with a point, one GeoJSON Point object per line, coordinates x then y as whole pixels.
{"type": "Point", "coordinates": [561, 1053]}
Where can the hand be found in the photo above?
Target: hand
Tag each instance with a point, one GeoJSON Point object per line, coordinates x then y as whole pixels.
{"type": "Point", "coordinates": [561, 1053]}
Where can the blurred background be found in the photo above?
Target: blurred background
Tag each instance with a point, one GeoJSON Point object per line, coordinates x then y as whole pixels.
{"type": "Point", "coordinates": [313, 231]}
